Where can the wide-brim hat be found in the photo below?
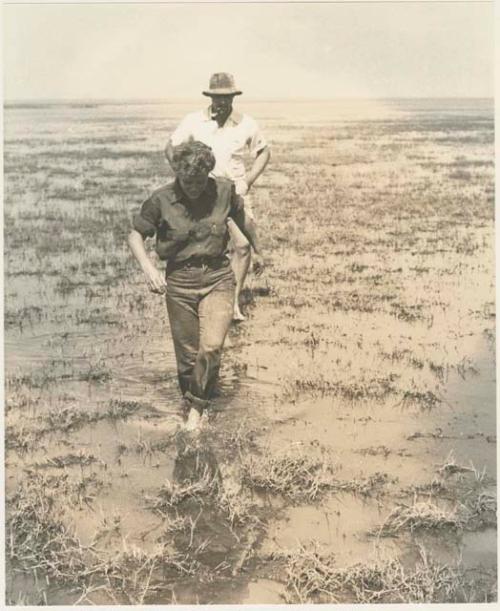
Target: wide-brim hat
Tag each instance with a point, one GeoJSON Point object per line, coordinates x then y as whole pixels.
{"type": "Point", "coordinates": [222, 83]}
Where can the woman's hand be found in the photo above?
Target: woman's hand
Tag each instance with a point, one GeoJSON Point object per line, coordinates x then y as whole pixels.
{"type": "Point", "coordinates": [155, 280]}
{"type": "Point", "coordinates": [257, 264]}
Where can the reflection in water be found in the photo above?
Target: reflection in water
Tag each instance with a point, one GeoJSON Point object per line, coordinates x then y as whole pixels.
{"type": "Point", "coordinates": [195, 461]}
{"type": "Point", "coordinates": [219, 524]}
{"type": "Point", "coordinates": [198, 490]}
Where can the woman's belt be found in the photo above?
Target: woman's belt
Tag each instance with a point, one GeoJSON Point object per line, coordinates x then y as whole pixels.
{"type": "Point", "coordinates": [195, 262]}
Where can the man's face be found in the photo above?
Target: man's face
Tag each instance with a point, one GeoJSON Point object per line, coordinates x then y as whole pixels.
{"type": "Point", "coordinates": [221, 107]}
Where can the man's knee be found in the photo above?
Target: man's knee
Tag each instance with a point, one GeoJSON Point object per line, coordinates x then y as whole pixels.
{"type": "Point", "coordinates": [211, 351]}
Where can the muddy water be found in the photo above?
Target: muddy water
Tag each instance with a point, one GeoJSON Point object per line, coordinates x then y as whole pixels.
{"type": "Point", "coordinates": [346, 333]}
{"type": "Point", "coordinates": [410, 446]}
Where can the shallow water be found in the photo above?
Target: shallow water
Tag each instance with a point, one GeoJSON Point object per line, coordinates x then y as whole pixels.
{"type": "Point", "coordinates": [359, 317]}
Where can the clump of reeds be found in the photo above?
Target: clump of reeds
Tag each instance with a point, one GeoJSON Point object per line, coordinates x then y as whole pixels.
{"type": "Point", "coordinates": [82, 459]}
{"type": "Point", "coordinates": [410, 313]}
{"type": "Point", "coordinates": [97, 372]}
{"type": "Point", "coordinates": [451, 467]}
{"type": "Point", "coordinates": [241, 437]}
{"type": "Point", "coordinates": [375, 389]}
{"type": "Point", "coordinates": [133, 575]}
{"type": "Point", "coordinates": [426, 401]}
{"type": "Point", "coordinates": [39, 539]}
{"type": "Point", "coordinates": [420, 515]}
{"type": "Point", "coordinates": [364, 486]}
{"type": "Point", "coordinates": [238, 507]}
{"type": "Point", "coordinates": [314, 577]}
{"type": "Point", "coordinates": [21, 439]}
{"type": "Point", "coordinates": [66, 418]}
{"type": "Point", "coordinates": [149, 448]}
{"type": "Point", "coordinates": [38, 534]}
{"type": "Point", "coordinates": [480, 511]}
{"type": "Point", "coordinates": [172, 494]}
{"type": "Point", "coordinates": [295, 472]}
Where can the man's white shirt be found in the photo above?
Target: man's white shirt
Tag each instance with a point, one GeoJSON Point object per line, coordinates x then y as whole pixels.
{"type": "Point", "coordinates": [229, 143]}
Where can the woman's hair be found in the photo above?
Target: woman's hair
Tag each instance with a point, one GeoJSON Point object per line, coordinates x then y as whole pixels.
{"type": "Point", "coordinates": [192, 156]}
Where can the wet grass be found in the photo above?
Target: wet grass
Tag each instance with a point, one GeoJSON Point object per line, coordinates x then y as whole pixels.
{"type": "Point", "coordinates": [315, 577]}
{"type": "Point", "coordinates": [304, 473]}
{"type": "Point", "coordinates": [296, 472]}
{"type": "Point", "coordinates": [378, 287]}
{"type": "Point", "coordinates": [40, 539]}
{"type": "Point", "coordinates": [420, 515]}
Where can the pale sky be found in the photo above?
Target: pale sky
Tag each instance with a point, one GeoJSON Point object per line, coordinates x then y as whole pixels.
{"type": "Point", "coordinates": [274, 50]}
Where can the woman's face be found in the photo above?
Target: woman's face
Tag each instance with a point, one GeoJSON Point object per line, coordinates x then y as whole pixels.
{"type": "Point", "coordinates": [193, 182]}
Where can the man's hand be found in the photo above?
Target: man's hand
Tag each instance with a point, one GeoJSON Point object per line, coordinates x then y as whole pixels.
{"type": "Point", "coordinates": [155, 280]}
{"type": "Point", "coordinates": [242, 187]}
{"type": "Point", "coordinates": [257, 264]}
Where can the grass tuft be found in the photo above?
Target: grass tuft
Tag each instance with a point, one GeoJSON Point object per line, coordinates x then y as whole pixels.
{"type": "Point", "coordinates": [419, 515]}
{"type": "Point", "coordinates": [294, 472]}
{"type": "Point", "coordinates": [313, 577]}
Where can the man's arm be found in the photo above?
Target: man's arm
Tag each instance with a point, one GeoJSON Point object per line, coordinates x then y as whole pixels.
{"type": "Point", "coordinates": [258, 166]}
{"type": "Point", "coordinates": [247, 228]}
{"type": "Point", "coordinates": [169, 151]}
{"type": "Point", "coordinates": [182, 133]}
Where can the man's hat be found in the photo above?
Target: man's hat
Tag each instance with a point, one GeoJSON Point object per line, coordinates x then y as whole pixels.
{"type": "Point", "coordinates": [222, 83]}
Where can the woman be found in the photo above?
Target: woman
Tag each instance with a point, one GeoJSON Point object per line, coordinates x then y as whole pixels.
{"type": "Point", "coordinates": [189, 217]}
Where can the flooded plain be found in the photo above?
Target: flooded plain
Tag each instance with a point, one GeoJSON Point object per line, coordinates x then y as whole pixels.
{"type": "Point", "coordinates": [351, 456]}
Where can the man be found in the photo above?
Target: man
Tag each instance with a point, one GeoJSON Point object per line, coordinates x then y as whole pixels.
{"type": "Point", "coordinates": [230, 135]}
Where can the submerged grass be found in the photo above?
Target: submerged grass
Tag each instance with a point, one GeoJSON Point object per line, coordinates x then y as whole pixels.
{"type": "Point", "coordinates": [39, 539]}
{"type": "Point", "coordinates": [25, 437]}
{"type": "Point", "coordinates": [375, 389]}
{"type": "Point", "coordinates": [173, 494]}
{"type": "Point", "coordinates": [304, 473]}
{"type": "Point", "coordinates": [420, 515]}
{"type": "Point", "coordinates": [315, 577]}
{"type": "Point", "coordinates": [294, 472]}
{"type": "Point", "coordinates": [38, 536]}
{"type": "Point", "coordinates": [474, 512]}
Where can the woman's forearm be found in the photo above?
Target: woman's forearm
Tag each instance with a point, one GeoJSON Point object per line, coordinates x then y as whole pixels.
{"type": "Point", "coordinates": [154, 279]}
{"type": "Point", "coordinates": [136, 244]}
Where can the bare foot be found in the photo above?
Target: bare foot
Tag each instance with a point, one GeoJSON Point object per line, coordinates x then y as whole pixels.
{"type": "Point", "coordinates": [193, 421]}
{"type": "Point", "coordinates": [237, 315]}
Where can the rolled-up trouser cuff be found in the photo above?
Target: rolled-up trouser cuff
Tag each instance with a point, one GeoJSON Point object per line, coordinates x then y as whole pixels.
{"type": "Point", "coordinates": [197, 402]}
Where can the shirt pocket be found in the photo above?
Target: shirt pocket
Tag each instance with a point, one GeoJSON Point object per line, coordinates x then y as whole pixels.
{"type": "Point", "coordinates": [168, 234]}
{"type": "Point", "coordinates": [218, 229]}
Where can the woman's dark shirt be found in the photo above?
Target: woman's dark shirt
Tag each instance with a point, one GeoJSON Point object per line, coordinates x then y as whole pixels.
{"type": "Point", "coordinates": [186, 229]}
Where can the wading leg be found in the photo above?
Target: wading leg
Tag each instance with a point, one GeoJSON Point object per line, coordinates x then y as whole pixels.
{"type": "Point", "coordinates": [240, 262]}
{"type": "Point", "coordinates": [185, 329]}
{"type": "Point", "coordinates": [215, 313]}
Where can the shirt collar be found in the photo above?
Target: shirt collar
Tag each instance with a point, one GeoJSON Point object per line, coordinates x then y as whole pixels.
{"type": "Point", "coordinates": [234, 118]}
{"type": "Point", "coordinates": [179, 193]}
{"type": "Point", "coordinates": [180, 196]}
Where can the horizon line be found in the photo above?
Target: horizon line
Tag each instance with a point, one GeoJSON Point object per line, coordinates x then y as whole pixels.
{"type": "Point", "coordinates": [174, 100]}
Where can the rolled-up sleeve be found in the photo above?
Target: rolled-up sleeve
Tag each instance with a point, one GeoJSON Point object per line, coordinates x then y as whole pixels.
{"type": "Point", "coordinates": [256, 142]}
{"type": "Point", "coordinates": [183, 131]}
{"type": "Point", "coordinates": [149, 218]}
